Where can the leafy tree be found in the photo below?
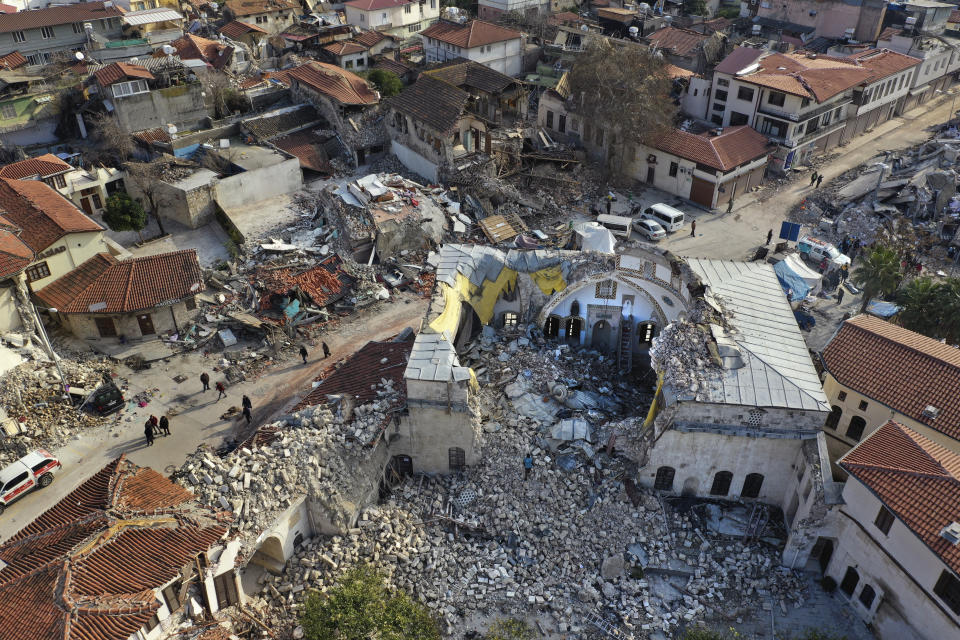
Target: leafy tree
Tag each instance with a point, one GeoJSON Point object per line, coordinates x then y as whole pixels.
{"type": "Point", "coordinates": [623, 91]}
{"type": "Point", "coordinates": [361, 607]}
{"type": "Point", "coordinates": [146, 178]}
{"type": "Point", "coordinates": [949, 326]}
{"type": "Point", "coordinates": [386, 82]}
{"type": "Point", "coordinates": [695, 7]}
{"type": "Point", "coordinates": [123, 213]}
{"type": "Point", "coordinates": [878, 274]}
{"type": "Point", "coordinates": [921, 302]}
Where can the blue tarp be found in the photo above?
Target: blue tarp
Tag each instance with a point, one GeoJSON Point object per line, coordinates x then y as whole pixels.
{"type": "Point", "coordinates": [793, 285]}
{"type": "Point", "coordinates": [882, 308]}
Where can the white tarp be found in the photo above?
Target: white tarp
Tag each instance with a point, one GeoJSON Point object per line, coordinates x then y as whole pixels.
{"type": "Point", "coordinates": [594, 237]}
{"type": "Point", "coordinates": [571, 429]}
{"type": "Point", "coordinates": [808, 275]}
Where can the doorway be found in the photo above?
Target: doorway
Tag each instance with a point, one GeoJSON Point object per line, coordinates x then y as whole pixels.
{"type": "Point", "coordinates": [823, 551]}
{"type": "Point", "coordinates": [690, 487]}
{"type": "Point", "coordinates": [105, 327]}
{"type": "Point", "coordinates": [146, 324]}
{"type": "Point", "coordinates": [399, 467]}
{"type": "Point", "coordinates": [601, 336]}
{"type": "Point", "coordinates": [651, 172]}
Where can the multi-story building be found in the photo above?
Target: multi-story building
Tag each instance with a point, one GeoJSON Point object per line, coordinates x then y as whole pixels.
{"type": "Point", "coordinates": [493, 9]}
{"type": "Point", "coordinates": [857, 19]}
{"type": "Point", "coordinates": [270, 15]}
{"type": "Point", "coordinates": [491, 45]}
{"type": "Point", "coordinates": [401, 18]}
{"type": "Point", "coordinates": [884, 93]}
{"type": "Point", "coordinates": [41, 33]}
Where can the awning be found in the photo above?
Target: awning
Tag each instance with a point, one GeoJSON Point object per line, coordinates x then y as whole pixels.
{"type": "Point", "coordinates": [919, 90]}
{"type": "Point", "coordinates": [151, 15]}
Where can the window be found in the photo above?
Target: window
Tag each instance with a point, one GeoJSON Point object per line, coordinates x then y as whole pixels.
{"type": "Point", "coordinates": [850, 580]}
{"type": "Point", "coordinates": [606, 290]}
{"type": "Point", "coordinates": [130, 88]}
{"type": "Point", "coordinates": [47, 33]}
{"type": "Point", "coordinates": [59, 181]}
{"type": "Point", "coordinates": [549, 119]}
{"type": "Point", "coordinates": [834, 418]}
{"type": "Point", "coordinates": [433, 4]}
{"type": "Point", "coordinates": [884, 520]}
{"type": "Point", "coordinates": [776, 98]}
{"type": "Point", "coordinates": [19, 36]}
{"type": "Point", "coordinates": [225, 586]}
{"type": "Point", "coordinates": [737, 119]}
{"type": "Point", "coordinates": [97, 203]}
{"type": "Point", "coordinates": [383, 16]}
{"type": "Point", "coordinates": [363, 18]}
{"type": "Point", "coordinates": [751, 485]}
{"type": "Point", "coordinates": [37, 271]}
{"type": "Point", "coordinates": [510, 319]}
{"type": "Point", "coordinates": [855, 430]}
{"type": "Point", "coordinates": [716, 119]}
{"type": "Point", "coordinates": [674, 167]}
{"type": "Point", "coordinates": [723, 82]}
{"type": "Point", "coordinates": [408, 8]}
{"type": "Point", "coordinates": [457, 458]}
{"type": "Point", "coordinates": [863, 405]}
{"type": "Point", "coordinates": [664, 480]}
{"type": "Point", "coordinates": [413, 28]}
{"type": "Point", "coordinates": [645, 331]}
{"type": "Point", "coordinates": [813, 124]}
{"type": "Point", "coordinates": [718, 107]}
{"type": "Point", "coordinates": [40, 465]}
{"type": "Point", "coordinates": [825, 119]}
{"type": "Point", "coordinates": [348, 64]}
{"type": "Point", "coordinates": [562, 124]}
{"type": "Point", "coordinates": [948, 588]}
{"type": "Point", "coordinates": [190, 303]}
{"type": "Point", "coordinates": [867, 594]}
{"type": "Point", "coordinates": [15, 482]}
{"type": "Point", "coordinates": [360, 62]}
{"type": "Point", "coordinates": [900, 85]}
{"type": "Point", "coordinates": [263, 19]}
{"type": "Point", "coordinates": [721, 95]}
{"type": "Point", "coordinates": [805, 103]}
{"type": "Point", "coordinates": [78, 27]}
{"type": "Point", "coordinates": [721, 483]}
{"type": "Point", "coordinates": [745, 93]}
{"type": "Point", "coordinates": [773, 128]}
{"type": "Point", "coordinates": [8, 111]}
{"type": "Point", "coordinates": [842, 396]}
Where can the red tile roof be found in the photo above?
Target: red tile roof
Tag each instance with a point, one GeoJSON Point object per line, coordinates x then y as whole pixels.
{"type": "Point", "coordinates": [677, 72]}
{"type": "Point", "coordinates": [104, 285]}
{"type": "Point", "coordinates": [375, 5]}
{"type": "Point", "coordinates": [53, 16]}
{"type": "Point", "coordinates": [324, 283]}
{"type": "Point", "coordinates": [121, 71]}
{"type": "Point", "coordinates": [370, 38]}
{"type": "Point", "coordinates": [308, 147]}
{"type": "Point", "coordinates": [899, 368]}
{"type": "Point", "coordinates": [334, 82]}
{"type": "Point", "coordinates": [88, 567]}
{"type": "Point", "coordinates": [44, 166]}
{"type": "Point", "coordinates": [255, 7]}
{"type": "Point", "coordinates": [214, 53]}
{"type": "Point", "coordinates": [807, 75]}
{"type": "Point", "coordinates": [152, 135]}
{"type": "Point", "coordinates": [679, 42]}
{"type": "Point", "coordinates": [359, 374]}
{"type": "Point", "coordinates": [916, 479]}
{"type": "Point", "coordinates": [883, 63]}
{"type": "Point", "coordinates": [14, 254]}
{"type": "Point", "coordinates": [889, 33]}
{"type": "Point", "coordinates": [475, 33]}
{"type": "Point", "coordinates": [734, 147]}
{"type": "Point", "coordinates": [237, 29]}
{"type": "Point", "coordinates": [345, 48]}
{"type": "Point", "coordinates": [44, 215]}
{"type": "Point", "coordinates": [393, 66]}
{"type": "Point", "coordinates": [954, 17]}
{"type": "Point", "coordinates": [12, 60]}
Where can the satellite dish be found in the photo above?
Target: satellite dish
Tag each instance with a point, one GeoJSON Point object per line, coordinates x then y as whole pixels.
{"type": "Point", "coordinates": [584, 28]}
{"type": "Point", "coordinates": [78, 55]}
{"type": "Point", "coordinates": [167, 49]}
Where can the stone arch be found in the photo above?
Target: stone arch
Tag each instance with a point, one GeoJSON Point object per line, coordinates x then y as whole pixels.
{"type": "Point", "coordinates": [600, 336]}
{"type": "Point", "coordinates": [690, 486]}
{"type": "Point", "coordinates": [269, 555]}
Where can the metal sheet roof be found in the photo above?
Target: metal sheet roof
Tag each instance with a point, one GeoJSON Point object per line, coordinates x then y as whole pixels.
{"type": "Point", "coordinates": [777, 370]}
{"type": "Point", "coordinates": [434, 358]}
{"type": "Point", "coordinates": [151, 15]}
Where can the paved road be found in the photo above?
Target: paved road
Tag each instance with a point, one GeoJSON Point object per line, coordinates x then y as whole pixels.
{"type": "Point", "coordinates": [198, 414]}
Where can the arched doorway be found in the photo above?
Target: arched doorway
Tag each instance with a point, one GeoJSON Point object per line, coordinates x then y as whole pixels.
{"type": "Point", "coordinates": [573, 327]}
{"type": "Point", "coordinates": [601, 336]}
{"type": "Point", "coordinates": [270, 555]}
{"type": "Point", "coordinates": [690, 486]}
{"type": "Point", "coordinates": [551, 328]}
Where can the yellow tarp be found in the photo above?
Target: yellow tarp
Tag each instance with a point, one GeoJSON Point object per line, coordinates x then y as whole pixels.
{"type": "Point", "coordinates": [482, 299]}
{"type": "Point", "coordinates": [550, 280]}
{"type": "Point", "coordinates": [653, 406]}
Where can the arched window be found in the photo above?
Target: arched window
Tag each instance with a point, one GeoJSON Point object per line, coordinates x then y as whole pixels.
{"type": "Point", "coordinates": [575, 308]}
{"type": "Point", "coordinates": [664, 481]}
{"type": "Point", "coordinates": [645, 331]}
{"type": "Point", "coordinates": [850, 580]}
{"type": "Point", "coordinates": [751, 485]}
{"type": "Point", "coordinates": [551, 327]}
{"type": "Point", "coordinates": [721, 483]}
{"type": "Point", "coordinates": [573, 327]}
{"type": "Point", "coordinates": [834, 418]}
{"type": "Point", "coordinates": [457, 458]}
{"type": "Point", "coordinates": [855, 430]}
{"type": "Point", "coordinates": [867, 594]}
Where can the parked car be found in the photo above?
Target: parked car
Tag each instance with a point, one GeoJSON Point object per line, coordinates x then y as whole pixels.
{"type": "Point", "coordinates": [33, 471]}
{"type": "Point", "coordinates": [816, 250]}
{"type": "Point", "coordinates": [649, 229]}
{"type": "Point", "coordinates": [103, 400]}
{"type": "Point", "coordinates": [666, 216]}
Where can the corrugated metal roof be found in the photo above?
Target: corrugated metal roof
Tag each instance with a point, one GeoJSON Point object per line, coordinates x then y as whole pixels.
{"type": "Point", "coordinates": [148, 16]}
{"type": "Point", "coordinates": [777, 369]}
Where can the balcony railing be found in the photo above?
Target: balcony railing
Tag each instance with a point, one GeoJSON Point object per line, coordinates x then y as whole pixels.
{"type": "Point", "coordinates": [819, 133]}
{"type": "Point", "coordinates": [767, 110]}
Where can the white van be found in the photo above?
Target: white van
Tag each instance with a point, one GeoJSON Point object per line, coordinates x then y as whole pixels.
{"type": "Point", "coordinates": [618, 225]}
{"type": "Point", "coordinates": [666, 216]}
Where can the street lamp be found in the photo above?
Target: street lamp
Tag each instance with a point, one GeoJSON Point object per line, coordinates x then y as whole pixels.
{"type": "Point", "coordinates": [50, 351]}
{"type": "Point", "coordinates": [952, 103]}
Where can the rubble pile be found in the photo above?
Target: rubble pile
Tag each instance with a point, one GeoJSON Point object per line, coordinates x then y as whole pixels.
{"type": "Point", "coordinates": [680, 351]}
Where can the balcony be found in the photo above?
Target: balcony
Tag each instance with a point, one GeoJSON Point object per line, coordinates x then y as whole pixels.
{"type": "Point", "coordinates": [819, 133]}
{"type": "Point", "coordinates": [773, 112]}
{"type": "Point", "coordinates": [164, 36]}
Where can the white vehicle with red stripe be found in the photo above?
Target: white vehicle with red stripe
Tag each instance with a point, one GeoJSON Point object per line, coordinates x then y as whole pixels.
{"type": "Point", "coordinates": [33, 471]}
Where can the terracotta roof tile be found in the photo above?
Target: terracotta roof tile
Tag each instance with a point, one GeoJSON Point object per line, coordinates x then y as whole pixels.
{"type": "Point", "coordinates": [270, 125]}
{"type": "Point", "coordinates": [237, 29]}
{"type": "Point", "coordinates": [104, 285]}
{"type": "Point", "coordinates": [214, 53]}
{"type": "Point", "coordinates": [734, 147]}
{"type": "Point", "coordinates": [433, 102]}
{"type": "Point", "coordinates": [954, 17]}
{"type": "Point", "coordinates": [14, 254]}
{"type": "Point", "coordinates": [255, 7]}
{"type": "Point", "coordinates": [371, 37]}
{"type": "Point", "coordinates": [149, 136]}
{"type": "Point", "coordinates": [308, 146]}
{"type": "Point", "coordinates": [334, 82]}
{"type": "Point", "coordinates": [53, 16]}
{"type": "Point", "coordinates": [899, 368]}
{"type": "Point", "coordinates": [392, 66]}
{"type": "Point", "coordinates": [121, 71]}
{"type": "Point", "coordinates": [345, 48]}
{"type": "Point", "coordinates": [475, 33]}
{"type": "Point", "coordinates": [324, 283]}
{"type": "Point", "coordinates": [883, 63]}
{"type": "Point", "coordinates": [88, 568]}
{"type": "Point", "coordinates": [807, 75]}
{"type": "Point", "coordinates": [44, 215]}
{"type": "Point", "coordinates": [471, 75]}
{"type": "Point", "coordinates": [889, 32]}
{"type": "Point", "coordinates": [44, 166]}
{"type": "Point", "coordinates": [916, 479]}
{"type": "Point", "coordinates": [677, 72]}
{"type": "Point", "coordinates": [679, 42]}
{"type": "Point", "coordinates": [12, 60]}
{"type": "Point", "coordinates": [375, 5]}
{"type": "Point", "coordinates": [359, 374]}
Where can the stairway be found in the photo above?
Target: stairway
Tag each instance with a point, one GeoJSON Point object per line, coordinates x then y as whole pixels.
{"type": "Point", "coordinates": [625, 348]}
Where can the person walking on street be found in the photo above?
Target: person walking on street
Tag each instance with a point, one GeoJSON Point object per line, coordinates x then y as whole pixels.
{"type": "Point", "coordinates": [839, 295]}
{"type": "Point", "coordinates": [813, 178]}
{"type": "Point", "coordinates": [221, 390]}
{"type": "Point", "coordinates": [693, 228]}
{"type": "Point", "coordinates": [205, 380]}
{"type": "Point", "coordinates": [247, 406]}
{"type": "Point", "coordinates": [527, 466]}
{"type": "Point", "coordinates": [165, 425]}
{"type": "Point", "coordinates": [148, 432]}
{"type": "Point", "coordinates": [246, 414]}
{"type": "Point", "coordinates": [729, 205]}
{"type": "Point", "coordinates": [819, 180]}
{"type": "Point", "coordinates": [769, 236]}
{"type": "Point", "coordinates": [844, 273]}
{"type": "Point", "coordinates": [303, 353]}
{"type": "Point", "coordinates": [326, 350]}
{"type": "Point", "coordinates": [823, 266]}
{"type": "Point", "coordinates": [154, 424]}
{"type": "Point", "coordinates": [609, 204]}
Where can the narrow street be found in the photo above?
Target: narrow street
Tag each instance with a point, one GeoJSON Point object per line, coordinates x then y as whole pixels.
{"type": "Point", "coordinates": [197, 420]}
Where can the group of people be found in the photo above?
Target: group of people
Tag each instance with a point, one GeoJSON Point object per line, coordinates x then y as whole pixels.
{"type": "Point", "coordinates": [304, 354]}
{"type": "Point", "coordinates": [816, 178]}
{"type": "Point", "coordinates": [155, 427]}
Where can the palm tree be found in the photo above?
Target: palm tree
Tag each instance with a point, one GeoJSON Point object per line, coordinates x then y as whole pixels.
{"type": "Point", "coordinates": [949, 304]}
{"type": "Point", "coordinates": [922, 307]}
{"type": "Point", "coordinates": [878, 274]}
